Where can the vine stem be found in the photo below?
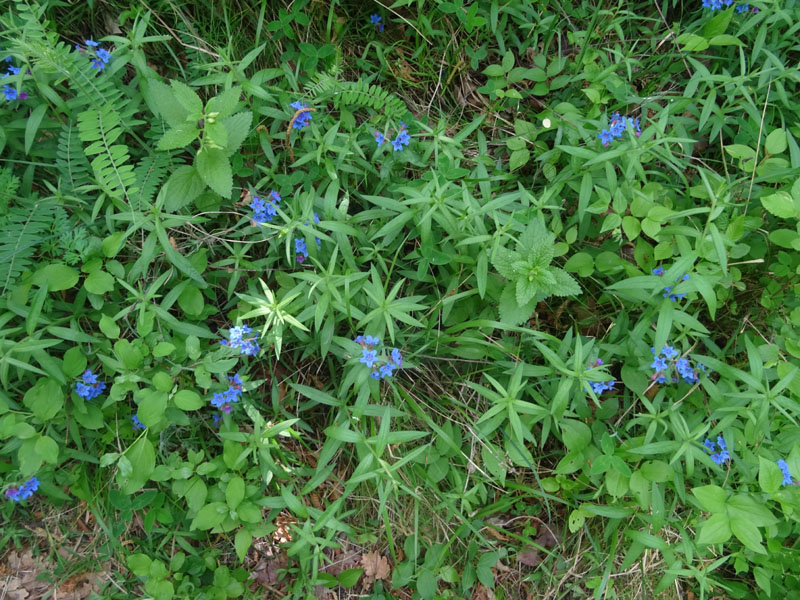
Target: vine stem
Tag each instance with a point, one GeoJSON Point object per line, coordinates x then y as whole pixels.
{"type": "Point", "coordinates": [299, 112]}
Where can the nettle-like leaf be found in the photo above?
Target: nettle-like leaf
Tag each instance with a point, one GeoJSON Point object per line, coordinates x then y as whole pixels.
{"type": "Point", "coordinates": [532, 279]}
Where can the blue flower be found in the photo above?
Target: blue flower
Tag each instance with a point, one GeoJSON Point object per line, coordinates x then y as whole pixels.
{"type": "Point", "coordinates": [215, 418]}
{"type": "Point", "coordinates": [371, 340]}
{"type": "Point", "coordinates": [397, 358]}
{"type": "Point", "coordinates": [24, 491]}
{"type": "Point", "coordinates": [275, 196]}
{"type": "Point", "coordinates": [304, 118]}
{"type": "Point", "coordinates": [98, 64]}
{"type": "Point", "coordinates": [360, 339]}
{"type": "Point", "coordinates": [263, 211]}
{"type": "Point", "coordinates": [91, 43]}
{"type": "Point", "coordinates": [248, 346]}
{"type": "Point", "coordinates": [605, 137]}
{"type": "Point", "coordinates": [659, 364]}
{"type": "Point", "coordinates": [787, 477]}
{"type": "Point", "coordinates": [137, 424]}
{"type": "Point", "coordinates": [374, 19]}
{"type": "Point", "coordinates": [402, 140]}
{"type": "Point", "coordinates": [225, 400]}
{"type": "Point", "coordinates": [686, 370]}
{"type": "Point", "coordinates": [89, 388]}
{"type": "Point", "coordinates": [368, 357]}
{"type": "Point", "coordinates": [669, 351]}
{"type": "Point", "coordinates": [300, 249]}
{"type": "Point", "coordinates": [658, 271]}
{"type": "Point", "coordinates": [14, 70]}
{"type": "Point", "coordinates": [379, 138]}
{"type": "Point", "coordinates": [721, 456]}
{"type": "Point", "coordinates": [375, 375]}
{"type": "Point", "coordinates": [386, 369]}
{"type": "Point", "coordinates": [10, 93]}
{"type": "Point", "coordinates": [103, 55]}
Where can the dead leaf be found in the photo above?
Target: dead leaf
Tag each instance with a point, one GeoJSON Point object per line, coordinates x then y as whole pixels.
{"type": "Point", "coordinates": [375, 567]}
{"type": "Point", "coordinates": [483, 593]}
{"type": "Point", "coordinates": [530, 558]}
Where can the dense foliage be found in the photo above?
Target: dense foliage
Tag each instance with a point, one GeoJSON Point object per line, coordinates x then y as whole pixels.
{"type": "Point", "coordinates": [440, 299]}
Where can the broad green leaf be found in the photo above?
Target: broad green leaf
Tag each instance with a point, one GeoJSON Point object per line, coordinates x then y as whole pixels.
{"type": "Point", "coordinates": [209, 516]}
{"type": "Point", "coordinates": [47, 449]}
{"type": "Point", "coordinates": [776, 142]}
{"type": "Point", "coordinates": [183, 186]}
{"type": "Point", "coordinates": [187, 97]}
{"type": "Point", "coordinates": [44, 399]}
{"type": "Point", "coordinates": [99, 282]}
{"type": "Point", "coordinates": [237, 127]}
{"type": "Point", "coordinates": [178, 137]}
{"type": "Point", "coordinates": [242, 543]}
{"type": "Point", "coordinates": [142, 458]}
{"type": "Point", "coordinates": [215, 169]}
{"type": "Point", "coordinates": [712, 498]}
{"type": "Point", "coordinates": [747, 533]}
{"type": "Point", "coordinates": [109, 327]}
{"type": "Point", "coordinates": [152, 406]}
{"type": "Point", "coordinates": [715, 530]}
{"type": "Point", "coordinates": [234, 493]}
{"type": "Point", "coordinates": [188, 400]}
{"type": "Point", "coordinates": [163, 100]}
{"type": "Point", "coordinates": [225, 103]}
{"type": "Point", "coordinates": [780, 204]}
{"type": "Point", "coordinates": [57, 276]}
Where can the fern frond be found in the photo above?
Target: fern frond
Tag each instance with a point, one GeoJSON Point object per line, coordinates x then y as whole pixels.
{"type": "Point", "coordinates": [25, 227]}
{"type": "Point", "coordinates": [9, 184]}
{"type": "Point", "coordinates": [362, 94]}
{"type": "Point", "coordinates": [149, 173]}
{"type": "Point", "coordinates": [70, 159]}
{"type": "Point", "coordinates": [102, 128]}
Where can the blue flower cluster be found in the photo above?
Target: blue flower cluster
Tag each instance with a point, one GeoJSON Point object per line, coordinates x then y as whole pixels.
{"type": "Point", "coordinates": [225, 400]}
{"type": "Point", "coordinates": [248, 346]}
{"type": "Point", "coordinates": [101, 56]}
{"type": "Point", "coordinates": [668, 290]}
{"type": "Point", "coordinates": [598, 387]}
{"type": "Point", "coordinates": [9, 92]}
{"type": "Point", "coordinates": [304, 118]}
{"type": "Point", "coordinates": [137, 424]}
{"type": "Point", "coordinates": [89, 388]}
{"type": "Point", "coordinates": [716, 4]}
{"type": "Point", "coordinates": [666, 363]}
{"type": "Point", "coordinates": [402, 139]}
{"type": "Point", "coordinates": [300, 247]}
{"type": "Point", "coordinates": [264, 210]}
{"type": "Point", "coordinates": [381, 367]}
{"type": "Point", "coordinates": [24, 491]}
{"type": "Point", "coordinates": [377, 21]}
{"type": "Point", "coordinates": [787, 477]}
{"type": "Point", "coordinates": [721, 456]}
{"type": "Point", "coordinates": [616, 128]}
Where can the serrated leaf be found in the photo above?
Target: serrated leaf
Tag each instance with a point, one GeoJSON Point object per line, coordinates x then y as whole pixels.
{"type": "Point", "coordinates": [183, 186]}
{"type": "Point", "coordinates": [564, 284]}
{"type": "Point", "coordinates": [511, 312]}
{"type": "Point", "coordinates": [503, 260]}
{"type": "Point", "coordinates": [178, 137]}
{"type": "Point", "coordinates": [525, 290]}
{"type": "Point", "coordinates": [187, 97]}
{"type": "Point", "coordinates": [225, 103]}
{"type": "Point", "coordinates": [215, 169]}
{"type": "Point", "coordinates": [163, 101]}
{"type": "Point", "coordinates": [780, 204]}
{"type": "Point", "coordinates": [238, 127]}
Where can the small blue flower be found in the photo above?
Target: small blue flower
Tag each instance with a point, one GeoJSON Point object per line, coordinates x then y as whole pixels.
{"type": "Point", "coordinates": [658, 271]}
{"type": "Point", "coordinates": [371, 340]}
{"type": "Point", "coordinates": [89, 388]}
{"type": "Point", "coordinates": [24, 491]}
{"type": "Point", "coordinates": [721, 456]}
{"type": "Point", "coordinates": [304, 118]}
{"type": "Point", "coordinates": [669, 351]}
{"type": "Point", "coordinates": [275, 196]}
{"type": "Point", "coordinates": [397, 358]}
{"type": "Point", "coordinates": [300, 249]}
{"type": "Point", "coordinates": [787, 477]}
{"type": "Point", "coordinates": [91, 43]}
{"type": "Point", "coordinates": [9, 92]}
{"type": "Point", "coordinates": [605, 137]}
{"type": "Point", "coordinates": [98, 64]}
{"type": "Point", "coordinates": [379, 138]}
{"type": "Point", "coordinates": [386, 369]}
{"type": "Point", "coordinates": [360, 339]}
{"type": "Point", "coordinates": [14, 70]}
{"type": "Point", "coordinates": [709, 445]}
{"type": "Point", "coordinates": [103, 55]}
{"type": "Point", "coordinates": [659, 364]}
{"type": "Point", "coordinates": [368, 357]}
{"type": "Point", "coordinates": [374, 19]}
{"type": "Point", "coordinates": [236, 340]}
{"type": "Point", "coordinates": [137, 424]}
{"type": "Point", "coordinates": [402, 140]}
{"type": "Point", "coordinates": [375, 375]}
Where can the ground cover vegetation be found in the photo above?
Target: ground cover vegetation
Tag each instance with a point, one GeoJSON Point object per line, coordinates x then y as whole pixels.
{"type": "Point", "coordinates": [423, 299]}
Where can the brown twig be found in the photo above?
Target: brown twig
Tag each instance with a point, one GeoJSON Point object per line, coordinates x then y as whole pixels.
{"type": "Point", "coordinates": [299, 112]}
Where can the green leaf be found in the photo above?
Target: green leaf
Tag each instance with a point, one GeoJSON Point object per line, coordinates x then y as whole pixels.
{"type": "Point", "coordinates": [718, 23]}
{"type": "Point", "coordinates": [776, 141]}
{"type": "Point", "coordinates": [139, 564]}
{"type": "Point", "coordinates": [57, 276]}
{"type": "Point", "coordinates": [769, 475]}
{"type": "Point", "coordinates": [225, 103]}
{"type": "Point", "coordinates": [183, 186]}
{"type": "Point", "coordinates": [178, 137]}
{"type": "Point", "coordinates": [503, 261]}
{"type": "Point", "coordinates": [99, 282]}
{"type": "Point", "coordinates": [152, 407]}
{"type": "Point", "coordinates": [163, 349]}
{"type": "Point", "coordinates": [716, 530]}
{"type": "Point", "coordinates": [712, 498]}
{"type": "Point", "coordinates": [215, 169]}
{"type": "Point", "coordinates": [32, 123]}
{"type": "Point", "coordinates": [747, 533]}
{"type": "Point", "coordinates": [234, 493]}
{"type": "Point", "coordinates": [74, 362]}
{"type": "Point", "coordinates": [750, 509]}
{"type": "Point", "coordinates": [242, 543]}
{"type": "Point", "coordinates": [780, 204]}
{"type": "Point", "coordinates": [238, 127]}
{"type": "Point", "coordinates": [581, 263]}
{"type": "Point", "coordinates": [210, 516]}
{"type": "Point", "coordinates": [564, 284]}
{"type": "Point", "coordinates": [109, 327]}
{"type": "Point", "coordinates": [188, 400]}
{"type": "Point", "coordinates": [162, 99]}
{"type": "Point", "coordinates": [142, 458]}
{"type": "Point", "coordinates": [519, 158]}
{"type": "Point", "coordinates": [511, 312]}
{"type": "Point", "coordinates": [576, 435]}
{"type": "Point", "coordinates": [196, 493]}
{"type": "Point", "coordinates": [525, 290]}
{"type": "Point", "coordinates": [349, 577]}
{"type": "Point", "coordinates": [725, 40]}
{"type": "Point", "coordinates": [692, 42]}
{"type": "Point", "coordinates": [44, 399]}
{"type": "Point", "coordinates": [187, 97]}
{"type": "Point", "coordinates": [191, 301]}
{"type": "Point", "coordinates": [47, 449]}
